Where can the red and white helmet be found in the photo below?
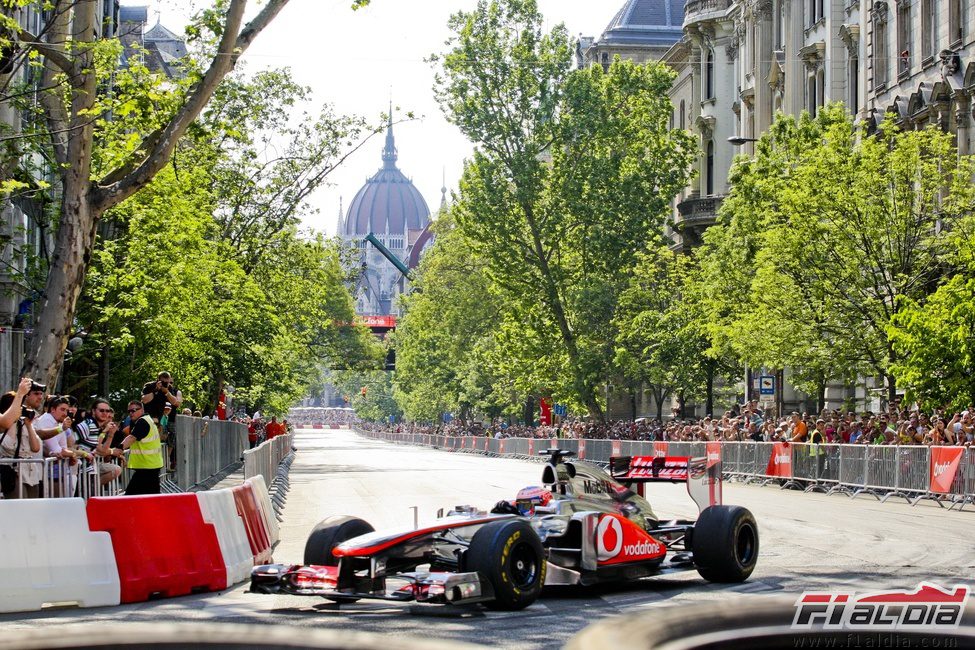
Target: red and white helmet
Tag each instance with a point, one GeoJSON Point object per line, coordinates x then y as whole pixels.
{"type": "Point", "coordinates": [538, 496]}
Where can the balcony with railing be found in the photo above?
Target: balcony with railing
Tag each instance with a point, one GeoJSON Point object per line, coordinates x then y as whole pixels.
{"type": "Point", "coordinates": [694, 216]}
{"type": "Point", "coordinates": [698, 10]}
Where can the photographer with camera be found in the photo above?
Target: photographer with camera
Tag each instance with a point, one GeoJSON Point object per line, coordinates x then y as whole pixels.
{"type": "Point", "coordinates": [157, 394]}
{"type": "Point", "coordinates": [94, 436]}
{"type": "Point", "coordinates": [19, 441]}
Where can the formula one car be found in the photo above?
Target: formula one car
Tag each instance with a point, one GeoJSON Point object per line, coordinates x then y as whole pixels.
{"type": "Point", "coordinates": [583, 526]}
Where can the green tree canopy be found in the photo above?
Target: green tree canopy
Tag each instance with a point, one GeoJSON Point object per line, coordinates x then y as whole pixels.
{"type": "Point", "coordinates": [573, 172]}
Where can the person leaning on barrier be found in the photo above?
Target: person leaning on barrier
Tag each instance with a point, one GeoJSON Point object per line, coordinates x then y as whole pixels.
{"type": "Point", "coordinates": [56, 446]}
{"type": "Point", "coordinates": [19, 440]}
{"type": "Point", "coordinates": [94, 435]}
{"type": "Point", "coordinates": [145, 452]}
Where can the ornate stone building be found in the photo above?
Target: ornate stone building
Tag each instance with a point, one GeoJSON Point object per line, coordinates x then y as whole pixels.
{"type": "Point", "coordinates": [390, 207]}
{"type": "Point", "coordinates": [740, 62]}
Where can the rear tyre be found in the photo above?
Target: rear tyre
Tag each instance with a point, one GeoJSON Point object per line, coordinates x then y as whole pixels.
{"type": "Point", "coordinates": [510, 555]}
{"type": "Point", "coordinates": [327, 535]}
{"type": "Point", "coordinates": [725, 544]}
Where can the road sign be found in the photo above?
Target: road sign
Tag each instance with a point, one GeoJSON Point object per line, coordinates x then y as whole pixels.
{"type": "Point", "coordinates": [767, 385]}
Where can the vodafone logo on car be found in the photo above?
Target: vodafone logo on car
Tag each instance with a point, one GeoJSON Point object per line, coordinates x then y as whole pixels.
{"type": "Point", "coordinates": [618, 540]}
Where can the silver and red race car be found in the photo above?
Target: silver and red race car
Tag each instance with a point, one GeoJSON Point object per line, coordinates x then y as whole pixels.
{"type": "Point", "coordinates": [583, 526]}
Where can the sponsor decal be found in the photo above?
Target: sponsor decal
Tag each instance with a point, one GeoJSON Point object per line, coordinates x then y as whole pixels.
{"type": "Point", "coordinates": [713, 452]}
{"type": "Point", "coordinates": [944, 466]}
{"type": "Point", "coordinates": [609, 538]}
{"type": "Point", "coordinates": [660, 449]}
{"type": "Point", "coordinates": [672, 468]}
{"type": "Point", "coordinates": [927, 607]}
{"type": "Point", "coordinates": [780, 462]}
{"type": "Point", "coordinates": [619, 540]}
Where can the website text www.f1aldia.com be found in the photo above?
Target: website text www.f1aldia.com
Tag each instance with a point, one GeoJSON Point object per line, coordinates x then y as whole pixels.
{"type": "Point", "coordinates": [874, 640]}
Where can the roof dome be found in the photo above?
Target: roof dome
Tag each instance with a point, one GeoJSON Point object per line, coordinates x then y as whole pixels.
{"type": "Point", "coordinates": [388, 202]}
{"type": "Point", "coordinates": [645, 22]}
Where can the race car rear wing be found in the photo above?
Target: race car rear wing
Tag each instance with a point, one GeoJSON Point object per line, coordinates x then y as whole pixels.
{"type": "Point", "coordinates": [702, 475]}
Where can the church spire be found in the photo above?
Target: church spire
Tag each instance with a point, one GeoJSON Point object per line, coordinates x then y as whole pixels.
{"type": "Point", "coordinates": [389, 152]}
{"type": "Point", "coordinates": [443, 191]}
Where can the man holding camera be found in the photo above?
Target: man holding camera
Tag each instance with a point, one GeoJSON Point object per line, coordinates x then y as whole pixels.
{"type": "Point", "coordinates": [157, 394]}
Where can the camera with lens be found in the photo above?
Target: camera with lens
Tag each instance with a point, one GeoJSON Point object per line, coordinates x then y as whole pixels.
{"type": "Point", "coordinates": [27, 414]}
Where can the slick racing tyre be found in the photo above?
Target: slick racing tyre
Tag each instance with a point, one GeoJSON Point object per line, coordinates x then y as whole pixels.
{"type": "Point", "coordinates": [327, 535]}
{"type": "Point", "coordinates": [725, 544]}
{"type": "Point", "coordinates": [510, 555]}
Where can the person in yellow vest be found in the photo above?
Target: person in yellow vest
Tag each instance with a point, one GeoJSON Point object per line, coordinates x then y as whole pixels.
{"type": "Point", "coordinates": [145, 452]}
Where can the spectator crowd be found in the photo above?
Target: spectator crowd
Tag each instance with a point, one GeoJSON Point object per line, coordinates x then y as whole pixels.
{"type": "Point", "coordinates": [895, 426]}
{"type": "Point", "coordinates": [89, 446]}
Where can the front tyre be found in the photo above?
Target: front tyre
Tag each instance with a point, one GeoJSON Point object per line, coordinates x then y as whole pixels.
{"type": "Point", "coordinates": [510, 555]}
{"type": "Point", "coordinates": [327, 535]}
{"type": "Point", "coordinates": [725, 544]}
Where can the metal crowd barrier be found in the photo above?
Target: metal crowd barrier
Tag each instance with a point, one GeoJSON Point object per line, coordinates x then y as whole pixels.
{"type": "Point", "coordinates": [264, 459]}
{"type": "Point", "coordinates": [206, 448]}
{"type": "Point", "coordinates": [882, 471]}
{"type": "Point", "coordinates": [62, 478]}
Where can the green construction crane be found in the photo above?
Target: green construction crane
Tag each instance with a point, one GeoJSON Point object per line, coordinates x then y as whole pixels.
{"type": "Point", "coordinates": [395, 261]}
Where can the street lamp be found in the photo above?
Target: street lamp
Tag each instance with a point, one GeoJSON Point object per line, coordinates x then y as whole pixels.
{"type": "Point", "coordinates": [738, 140]}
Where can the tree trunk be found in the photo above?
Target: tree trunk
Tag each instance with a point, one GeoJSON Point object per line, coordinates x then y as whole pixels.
{"type": "Point", "coordinates": [76, 232]}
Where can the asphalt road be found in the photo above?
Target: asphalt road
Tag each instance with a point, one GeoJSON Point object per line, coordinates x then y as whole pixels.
{"type": "Point", "coordinates": [808, 541]}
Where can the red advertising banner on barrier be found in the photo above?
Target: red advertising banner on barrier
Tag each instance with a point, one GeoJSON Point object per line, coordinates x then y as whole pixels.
{"type": "Point", "coordinates": [660, 449]}
{"type": "Point", "coordinates": [531, 447]}
{"type": "Point", "coordinates": [501, 446]}
{"type": "Point", "coordinates": [780, 461]}
{"type": "Point", "coordinates": [582, 449]}
{"type": "Point", "coordinates": [713, 452]}
{"type": "Point", "coordinates": [944, 466]}
{"type": "Point", "coordinates": [617, 448]}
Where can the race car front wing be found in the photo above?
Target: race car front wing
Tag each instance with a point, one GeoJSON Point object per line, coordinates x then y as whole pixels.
{"type": "Point", "coordinates": [420, 586]}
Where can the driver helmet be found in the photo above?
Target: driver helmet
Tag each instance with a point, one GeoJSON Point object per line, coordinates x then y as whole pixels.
{"type": "Point", "coordinates": [537, 496]}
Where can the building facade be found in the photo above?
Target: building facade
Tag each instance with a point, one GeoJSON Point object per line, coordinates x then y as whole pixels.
{"type": "Point", "coordinates": [741, 62]}
{"type": "Point", "coordinates": [389, 207]}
